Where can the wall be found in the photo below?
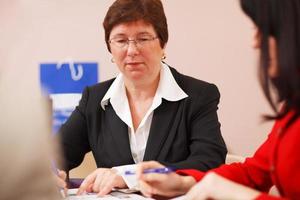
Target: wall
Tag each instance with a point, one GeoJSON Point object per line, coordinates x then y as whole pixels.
{"type": "Point", "coordinates": [209, 40]}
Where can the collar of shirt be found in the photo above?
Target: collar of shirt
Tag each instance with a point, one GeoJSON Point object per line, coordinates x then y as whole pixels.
{"type": "Point", "coordinates": [167, 89]}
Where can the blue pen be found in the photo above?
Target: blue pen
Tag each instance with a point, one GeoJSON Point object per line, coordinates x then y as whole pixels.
{"type": "Point", "coordinates": [164, 170]}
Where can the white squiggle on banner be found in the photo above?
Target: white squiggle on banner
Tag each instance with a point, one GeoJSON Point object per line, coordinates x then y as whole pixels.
{"type": "Point", "coordinates": [75, 76]}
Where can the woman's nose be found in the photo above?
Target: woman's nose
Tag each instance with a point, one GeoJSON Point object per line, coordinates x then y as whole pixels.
{"type": "Point", "coordinates": [132, 47]}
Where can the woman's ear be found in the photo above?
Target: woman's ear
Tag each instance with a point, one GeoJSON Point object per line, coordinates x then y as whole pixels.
{"type": "Point", "coordinates": [256, 38]}
{"type": "Point", "coordinates": [273, 57]}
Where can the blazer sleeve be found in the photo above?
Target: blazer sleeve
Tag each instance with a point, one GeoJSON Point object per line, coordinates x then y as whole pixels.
{"type": "Point", "coordinates": [73, 135]}
{"type": "Point", "coordinates": [207, 148]}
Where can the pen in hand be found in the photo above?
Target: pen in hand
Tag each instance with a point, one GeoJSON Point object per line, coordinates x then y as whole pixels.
{"type": "Point", "coordinates": [163, 170]}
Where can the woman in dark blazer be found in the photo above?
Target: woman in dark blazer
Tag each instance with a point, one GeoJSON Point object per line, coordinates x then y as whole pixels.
{"type": "Point", "coordinates": [148, 112]}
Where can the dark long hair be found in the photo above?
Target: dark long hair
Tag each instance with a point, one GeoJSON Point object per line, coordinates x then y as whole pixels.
{"type": "Point", "coordinates": [280, 19]}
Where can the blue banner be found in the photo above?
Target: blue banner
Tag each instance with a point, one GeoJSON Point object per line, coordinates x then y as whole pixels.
{"type": "Point", "coordinates": [58, 78]}
{"type": "Point", "coordinates": [64, 83]}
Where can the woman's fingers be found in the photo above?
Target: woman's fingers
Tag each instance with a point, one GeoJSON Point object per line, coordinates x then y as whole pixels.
{"type": "Point", "coordinates": [98, 181]}
{"type": "Point", "coordinates": [101, 181]}
{"type": "Point", "coordinates": [105, 185]}
{"type": "Point", "coordinates": [110, 180]}
{"type": "Point", "coordinates": [60, 178]}
{"type": "Point", "coordinates": [89, 180]}
{"type": "Point", "coordinates": [146, 189]}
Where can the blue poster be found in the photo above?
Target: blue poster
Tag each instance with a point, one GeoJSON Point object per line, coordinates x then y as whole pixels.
{"type": "Point", "coordinates": [64, 83]}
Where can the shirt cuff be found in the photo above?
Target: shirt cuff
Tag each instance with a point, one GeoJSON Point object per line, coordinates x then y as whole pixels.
{"type": "Point", "coordinates": [130, 180]}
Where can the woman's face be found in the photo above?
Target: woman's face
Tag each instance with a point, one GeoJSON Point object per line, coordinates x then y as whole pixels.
{"type": "Point", "coordinates": [273, 64]}
{"type": "Point", "coordinates": [139, 59]}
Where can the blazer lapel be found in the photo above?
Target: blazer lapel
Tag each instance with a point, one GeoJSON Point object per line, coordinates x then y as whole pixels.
{"type": "Point", "coordinates": [162, 122]}
{"type": "Point", "coordinates": [119, 132]}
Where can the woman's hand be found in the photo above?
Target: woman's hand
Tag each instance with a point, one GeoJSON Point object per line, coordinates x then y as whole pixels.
{"type": "Point", "coordinates": [60, 179]}
{"type": "Point", "coordinates": [102, 180]}
{"type": "Point", "coordinates": [168, 185]}
{"type": "Point", "coordinates": [214, 186]}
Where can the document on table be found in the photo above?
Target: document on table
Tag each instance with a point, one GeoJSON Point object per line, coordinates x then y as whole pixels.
{"type": "Point", "coordinates": [115, 195]}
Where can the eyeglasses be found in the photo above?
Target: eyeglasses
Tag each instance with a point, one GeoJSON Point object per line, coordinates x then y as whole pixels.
{"type": "Point", "coordinates": [140, 41]}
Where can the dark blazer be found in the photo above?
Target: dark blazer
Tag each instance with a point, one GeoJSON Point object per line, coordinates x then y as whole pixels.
{"type": "Point", "coordinates": [183, 134]}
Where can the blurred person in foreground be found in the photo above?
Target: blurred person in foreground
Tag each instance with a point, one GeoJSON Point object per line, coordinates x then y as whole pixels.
{"type": "Point", "coordinates": [277, 161]}
{"type": "Point", "coordinates": [25, 144]}
{"type": "Point", "coordinates": [148, 112]}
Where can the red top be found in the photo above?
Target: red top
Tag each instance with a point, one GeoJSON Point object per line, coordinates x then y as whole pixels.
{"type": "Point", "coordinates": [276, 162]}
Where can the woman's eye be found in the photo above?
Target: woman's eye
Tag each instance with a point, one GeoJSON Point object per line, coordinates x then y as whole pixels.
{"type": "Point", "coordinates": [142, 39]}
{"type": "Point", "coordinates": [121, 41]}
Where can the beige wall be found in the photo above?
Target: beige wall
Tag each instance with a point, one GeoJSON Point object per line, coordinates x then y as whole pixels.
{"type": "Point", "coordinates": [210, 40]}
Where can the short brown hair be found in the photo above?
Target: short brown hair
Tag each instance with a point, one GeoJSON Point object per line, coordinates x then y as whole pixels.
{"type": "Point", "coordinates": [151, 11]}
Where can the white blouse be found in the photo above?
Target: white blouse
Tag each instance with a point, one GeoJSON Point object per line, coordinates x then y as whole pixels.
{"type": "Point", "coordinates": [116, 94]}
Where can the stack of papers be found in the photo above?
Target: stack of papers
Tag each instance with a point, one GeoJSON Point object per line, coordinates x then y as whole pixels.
{"type": "Point", "coordinates": [115, 195]}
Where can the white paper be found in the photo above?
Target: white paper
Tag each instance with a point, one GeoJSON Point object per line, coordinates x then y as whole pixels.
{"type": "Point", "coordinates": [112, 196]}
